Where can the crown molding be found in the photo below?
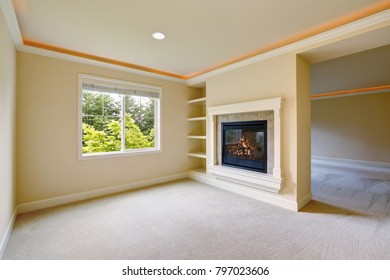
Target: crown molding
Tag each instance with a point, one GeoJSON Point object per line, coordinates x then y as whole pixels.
{"type": "Point", "coordinates": [351, 92]}
{"type": "Point", "coordinates": [95, 62]}
{"type": "Point", "coordinates": [61, 50]}
{"type": "Point", "coordinates": [354, 28]}
{"type": "Point", "coordinates": [12, 22]}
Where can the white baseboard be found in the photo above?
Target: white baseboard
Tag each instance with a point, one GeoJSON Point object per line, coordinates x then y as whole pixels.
{"type": "Point", "coordinates": [7, 234]}
{"type": "Point", "coordinates": [61, 200]}
{"type": "Point", "coordinates": [249, 192]}
{"type": "Point", "coordinates": [351, 163]}
{"type": "Point", "coordinates": [304, 201]}
{"type": "Point", "coordinates": [202, 178]}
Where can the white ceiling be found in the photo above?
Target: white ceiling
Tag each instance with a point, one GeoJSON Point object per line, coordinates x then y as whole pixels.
{"type": "Point", "coordinates": [200, 34]}
{"type": "Point", "coordinates": [365, 41]}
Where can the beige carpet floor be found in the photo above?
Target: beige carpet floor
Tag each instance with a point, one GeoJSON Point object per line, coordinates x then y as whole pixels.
{"type": "Point", "coordinates": [349, 218]}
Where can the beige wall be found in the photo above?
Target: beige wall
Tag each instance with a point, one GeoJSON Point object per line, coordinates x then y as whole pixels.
{"type": "Point", "coordinates": [276, 77]}
{"type": "Point", "coordinates": [7, 120]}
{"type": "Point", "coordinates": [353, 127]}
{"type": "Point", "coordinates": [47, 129]}
{"type": "Point", "coordinates": [304, 128]}
{"type": "Point", "coordinates": [359, 70]}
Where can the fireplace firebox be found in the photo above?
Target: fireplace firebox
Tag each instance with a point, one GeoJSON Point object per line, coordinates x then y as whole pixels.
{"type": "Point", "coordinates": [244, 145]}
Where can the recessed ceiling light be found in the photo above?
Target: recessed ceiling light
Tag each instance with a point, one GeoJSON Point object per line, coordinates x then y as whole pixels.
{"type": "Point", "coordinates": [158, 35]}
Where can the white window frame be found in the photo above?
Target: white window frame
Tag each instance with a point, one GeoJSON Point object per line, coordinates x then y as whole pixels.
{"type": "Point", "coordinates": [84, 78]}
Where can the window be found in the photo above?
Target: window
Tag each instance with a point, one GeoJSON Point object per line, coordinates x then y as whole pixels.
{"type": "Point", "coordinates": [117, 117]}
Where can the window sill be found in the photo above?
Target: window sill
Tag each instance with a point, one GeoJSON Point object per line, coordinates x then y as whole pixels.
{"type": "Point", "coordinates": [138, 152]}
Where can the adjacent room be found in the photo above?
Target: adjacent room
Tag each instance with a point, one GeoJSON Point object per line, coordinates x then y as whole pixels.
{"type": "Point", "coordinates": [194, 130]}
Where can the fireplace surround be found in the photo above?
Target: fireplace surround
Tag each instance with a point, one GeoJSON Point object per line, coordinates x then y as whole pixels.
{"type": "Point", "coordinates": [269, 179]}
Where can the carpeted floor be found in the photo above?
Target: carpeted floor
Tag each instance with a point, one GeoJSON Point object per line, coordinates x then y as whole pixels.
{"type": "Point", "coordinates": [349, 218]}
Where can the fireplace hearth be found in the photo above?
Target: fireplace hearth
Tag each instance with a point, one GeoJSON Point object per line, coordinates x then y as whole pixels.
{"type": "Point", "coordinates": [244, 145]}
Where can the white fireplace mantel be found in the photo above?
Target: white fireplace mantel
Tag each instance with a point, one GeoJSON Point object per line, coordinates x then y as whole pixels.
{"type": "Point", "coordinates": [268, 182]}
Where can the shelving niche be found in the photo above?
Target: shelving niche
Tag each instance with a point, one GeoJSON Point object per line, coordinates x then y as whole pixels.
{"type": "Point", "coordinates": [197, 131]}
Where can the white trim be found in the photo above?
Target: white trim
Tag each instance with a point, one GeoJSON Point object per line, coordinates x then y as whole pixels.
{"type": "Point", "coordinates": [350, 29]}
{"type": "Point", "coordinates": [135, 152]}
{"type": "Point", "coordinates": [79, 114]}
{"type": "Point", "coordinates": [196, 119]}
{"type": "Point", "coordinates": [249, 106]}
{"type": "Point", "coordinates": [198, 171]}
{"type": "Point", "coordinates": [359, 164]}
{"type": "Point", "coordinates": [198, 137]}
{"type": "Point", "coordinates": [269, 198]}
{"type": "Point", "coordinates": [124, 84]}
{"type": "Point", "coordinates": [351, 94]}
{"type": "Point", "coordinates": [61, 200]}
{"type": "Point", "coordinates": [199, 176]}
{"type": "Point", "coordinates": [123, 126]}
{"type": "Point", "coordinates": [7, 234]}
{"type": "Point", "coordinates": [158, 123]}
{"type": "Point", "coordinates": [304, 201]}
{"type": "Point", "coordinates": [197, 154]}
{"type": "Point", "coordinates": [201, 100]}
{"type": "Point", "coordinates": [12, 22]}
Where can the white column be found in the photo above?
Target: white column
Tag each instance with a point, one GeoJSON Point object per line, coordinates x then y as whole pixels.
{"type": "Point", "coordinates": [276, 172]}
{"type": "Point", "coordinates": [211, 152]}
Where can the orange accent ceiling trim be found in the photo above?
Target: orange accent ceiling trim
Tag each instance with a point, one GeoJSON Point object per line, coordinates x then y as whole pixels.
{"type": "Point", "coordinates": [40, 45]}
{"type": "Point", "coordinates": [350, 91]}
{"type": "Point", "coordinates": [303, 35]}
{"type": "Point", "coordinates": [384, 5]}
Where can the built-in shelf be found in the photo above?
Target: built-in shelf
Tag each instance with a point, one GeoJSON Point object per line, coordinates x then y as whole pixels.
{"type": "Point", "coordinates": [199, 101]}
{"type": "Point", "coordinates": [368, 90]}
{"type": "Point", "coordinates": [197, 133]}
{"type": "Point", "coordinates": [202, 137]}
{"type": "Point", "coordinates": [197, 154]}
{"type": "Point", "coordinates": [197, 119]}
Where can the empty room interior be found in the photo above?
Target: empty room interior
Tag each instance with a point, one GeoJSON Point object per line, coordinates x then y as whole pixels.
{"type": "Point", "coordinates": [194, 130]}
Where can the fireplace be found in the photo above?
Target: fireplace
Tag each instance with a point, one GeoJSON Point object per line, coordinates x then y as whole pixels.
{"type": "Point", "coordinates": [244, 145]}
{"type": "Point", "coordinates": [265, 115]}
